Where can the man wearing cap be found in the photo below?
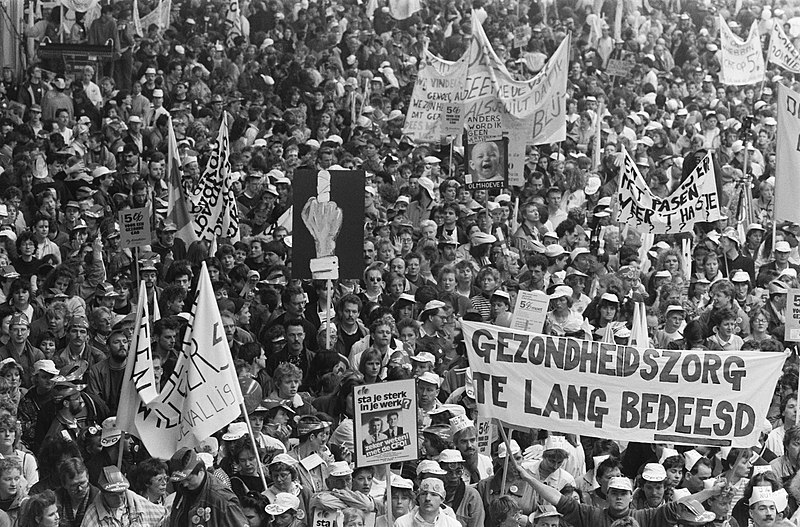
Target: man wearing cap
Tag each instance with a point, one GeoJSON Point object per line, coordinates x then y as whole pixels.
{"type": "Point", "coordinates": [463, 499]}
{"type": "Point", "coordinates": [117, 505]}
{"type": "Point", "coordinates": [781, 262]}
{"type": "Point", "coordinates": [549, 469]}
{"type": "Point", "coordinates": [313, 435]}
{"type": "Point", "coordinates": [734, 259]}
{"type": "Point", "coordinates": [168, 247]}
{"type": "Point", "coordinates": [20, 348]}
{"type": "Point", "coordinates": [201, 498]}
{"type": "Point", "coordinates": [465, 438]}
{"type": "Point", "coordinates": [35, 399]}
{"type": "Point", "coordinates": [432, 336]}
{"type": "Point", "coordinates": [429, 512]}
{"type": "Point", "coordinates": [619, 504]}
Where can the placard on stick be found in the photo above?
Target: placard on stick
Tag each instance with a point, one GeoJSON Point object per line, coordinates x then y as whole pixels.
{"type": "Point", "coordinates": [530, 311]}
{"type": "Point", "coordinates": [793, 316]}
{"type": "Point", "coordinates": [134, 225]}
{"type": "Point", "coordinates": [385, 422]}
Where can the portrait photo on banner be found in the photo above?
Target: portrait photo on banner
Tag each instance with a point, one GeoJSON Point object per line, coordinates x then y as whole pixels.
{"type": "Point", "coordinates": [486, 163]}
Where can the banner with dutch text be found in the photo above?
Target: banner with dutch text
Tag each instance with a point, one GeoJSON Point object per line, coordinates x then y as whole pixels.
{"type": "Point", "coordinates": [201, 396]}
{"type": "Point", "coordinates": [695, 200]}
{"type": "Point", "coordinates": [781, 50]}
{"type": "Point", "coordinates": [621, 392]}
{"type": "Point", "coordinates": [742, 60]}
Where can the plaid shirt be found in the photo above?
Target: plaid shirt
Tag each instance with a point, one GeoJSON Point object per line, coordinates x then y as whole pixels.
{"type": "Point", "coordinates": [138, 512]}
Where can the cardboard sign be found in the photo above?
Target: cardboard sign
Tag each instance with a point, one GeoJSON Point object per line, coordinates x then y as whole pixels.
{"type": "Point", "coordinates": [134, 225]}
{"type": "Point", "coordinates": [487, 433]}
{"type": "Point", "coordinates": [530, 311]}
{"type": "Point", "coordinates": [385, 422]}
{"type": "Point", "coordinates": [521, 36]}
{"type": "Point", "coordinates": [328, 223]}
{"type": "Point", "coordinates": [619, 68]}
{"type": "Point", "coordinates": [793, 316]}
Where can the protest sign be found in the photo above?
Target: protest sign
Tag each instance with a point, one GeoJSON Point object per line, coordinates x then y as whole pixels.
{"type": "Point", "coordinates": [485, 163]}
{"type": "Point", "coordinates": [486, 435]}
{"type": "Point", "coordinates": [328, 205]}
{"type": "Point", "coordinates": [434, 112]}
{"type": "Point", "coordinates": [478, 93]}
{"type": "Point", "coordinates": [781, 50]}
{"type": "Point", "coordinates": [742, 60]}
{"type": "Point", "coordinates": [385, 422]}
{"type": "Point", "coordinates": [327, 518]}
{"type": "Point", "coordinates": [530, 311]}
{"type": "Point", "coordinates": [621, 392]}
{"type": "Point", "coordinates": [619, 68]}
{"type": "Point", "coordinates": [695, 200]}
{"type": "Point", "coordinates": [213, 203]}
{"type": "Point", "coordinates": [793, 316]}
{"type": "Point", "coordinates": [521, 36]}
{"type": "Point", "coordinates": [134, 228]}
{"type": "Point", "coordinates": [787, 158]}
{"type": "Point", "coordinates": [201, 396]}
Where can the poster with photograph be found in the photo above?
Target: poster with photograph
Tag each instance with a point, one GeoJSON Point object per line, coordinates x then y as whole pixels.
{"type": "Point", "coordinates": [328, 221]}
{"type": "Point", "coordinates": [486, 164]}
{"type": "Point", "coordinates": [385, 422]}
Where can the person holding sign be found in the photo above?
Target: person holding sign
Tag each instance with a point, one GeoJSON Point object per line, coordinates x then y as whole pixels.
{"type": "Point", "coordinates": [619, 503]}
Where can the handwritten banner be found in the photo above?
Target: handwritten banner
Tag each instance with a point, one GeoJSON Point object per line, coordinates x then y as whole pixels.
{"type": "Point", "coordinates": [478, 94]}
{"type": "Point", "coordinates": [742, 60]}
{"type": "Point", "coordinates": [695, 200]}
{"type": "Point", "coordinates": [781, 50]}
{"type": "Point", "coordinates": [621, 392]}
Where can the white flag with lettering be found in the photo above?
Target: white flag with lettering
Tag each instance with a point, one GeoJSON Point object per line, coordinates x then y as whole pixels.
{"type": "Point", "coordinates": [781, 50]}
{"type": "Point", "coordinates": [742, 60]}
{"type": "Point", "coordinates": [202, 395]}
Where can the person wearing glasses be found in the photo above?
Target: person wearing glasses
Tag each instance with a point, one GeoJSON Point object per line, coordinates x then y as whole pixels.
{"type": "Point", "coordinates": [75, 493]}
{"type": "Point", "coordinates": [462, 498]}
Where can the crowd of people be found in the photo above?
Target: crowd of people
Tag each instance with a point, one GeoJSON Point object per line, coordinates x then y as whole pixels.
{"type": "Point", "coordinates": [327, 84]}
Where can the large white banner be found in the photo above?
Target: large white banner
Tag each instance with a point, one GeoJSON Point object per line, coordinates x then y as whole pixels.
{"type": "Point", "coordinates": [781, 50]}
{"type": "Point", "coordinates": [787, 184]}
{"type": "Point", "coordinates": [158, 16]}
{"type": "Point", "coordinates": [201, 396]}
{"type": "Point", "coordinates": [435, 111]}
{"type": "Point", "coordinates": [479, 95]}
{"type": "Point", "coordinates": [621, 392]}
{"type": "Point", "coordinates": [695, 200]}
{"type": "Point", "coordinates": [742, 60]}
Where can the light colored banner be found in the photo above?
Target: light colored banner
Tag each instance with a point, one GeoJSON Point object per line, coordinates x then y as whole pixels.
{"type": "Point", "coordinates": [787, 184]}
{"type": "Point", "coordinates": [479, 95]}
{"type": "Point", "coordinates": [781, 50]}
{"type": "Point", "coordinates": [158, 16]}
{"type": "Point", "coordinates": [695, 200]}
{"type": "Point", "coordinates": [213, 204]}
{"type": "Point", "coordinates": [202, 394]}
{"type": "Point", "coordinates": [742, 60]}
{"type": "Point", "coordinates": [621, 392]}
{"type": "Point", "coordinates": [434, 112]}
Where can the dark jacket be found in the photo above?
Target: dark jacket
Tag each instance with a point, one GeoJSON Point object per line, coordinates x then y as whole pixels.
{"type": "Point", "coordinates": [218, 504]}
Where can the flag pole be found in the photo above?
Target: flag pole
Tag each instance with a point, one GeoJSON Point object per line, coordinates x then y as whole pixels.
{"type": "Point", "coordinates": [253, 443]}
{"type": "Point", "coordinates": [388, 476]}
{"type": "Point", "coordinates": [328, 302]}
{"type": "Point", "coordinates": [508, 454]}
